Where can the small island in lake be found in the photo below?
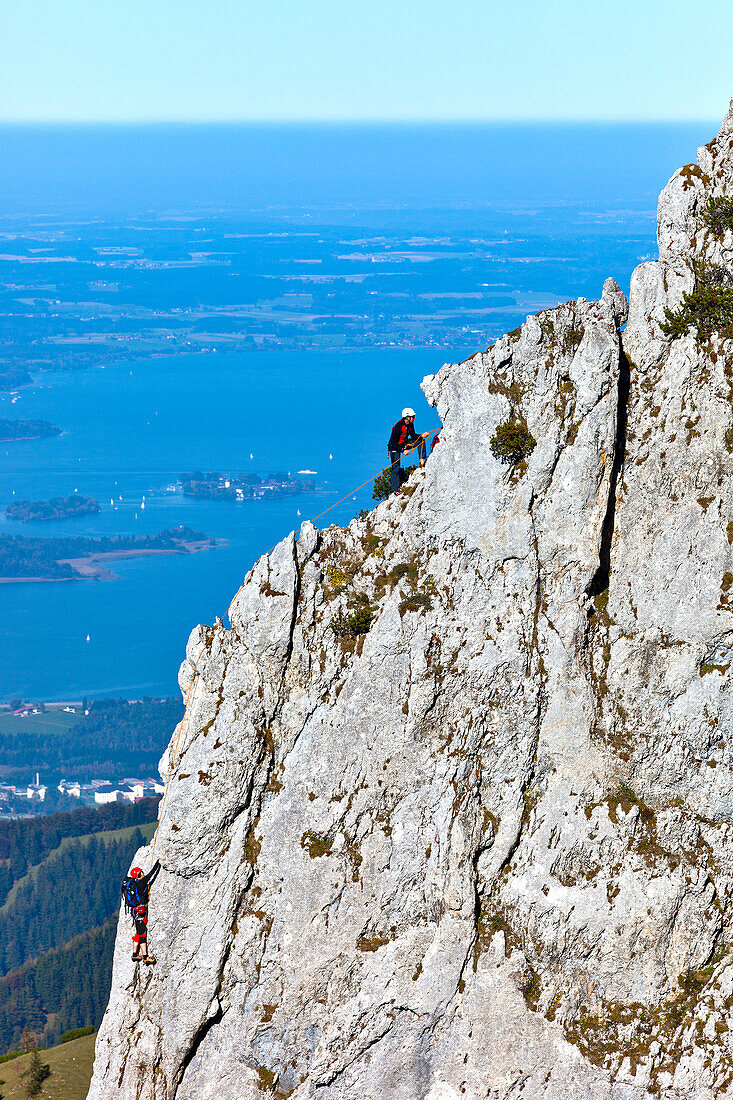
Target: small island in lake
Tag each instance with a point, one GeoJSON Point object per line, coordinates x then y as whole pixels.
{"type": "Point", "coordinates": [71, 558]}
{"type": "Point", "coordinates": [11, 431]}
{"type": "Point", "coordinates": [215, 486]}
{"type": "Point", "coordinates": [57, 508]}
{"type": "Point", "coordinates": [12, 378]}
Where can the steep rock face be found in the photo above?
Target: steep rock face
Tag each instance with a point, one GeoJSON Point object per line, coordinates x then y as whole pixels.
{"type": "Point", "coordinates": [483, 848]}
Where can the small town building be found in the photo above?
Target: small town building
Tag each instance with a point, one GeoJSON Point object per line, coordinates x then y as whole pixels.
{"type": "Point", "coordinates": [70, 788]}
{"type": "Point", "coordinates": [107, 793]}
{"type": "Point", "coordinates": [114, 792]}
{"type": "Point", "coordinates": [144, 789]}
{"type": "Point", "coordinates": [36, 790]}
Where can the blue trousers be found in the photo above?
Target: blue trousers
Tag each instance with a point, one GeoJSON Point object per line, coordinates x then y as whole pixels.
{"type": "Point", "coordinates": [394, 458]}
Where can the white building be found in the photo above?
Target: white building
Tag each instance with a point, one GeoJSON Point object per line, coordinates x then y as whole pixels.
{"type": "Point", "coordinates": [107, 793]}
{"type": "Point", "coordinates": [70, 788]}
{"type": "Point", "coordinates": [36, 790]}
{"type": "Point", "coordinates": [143, 789]}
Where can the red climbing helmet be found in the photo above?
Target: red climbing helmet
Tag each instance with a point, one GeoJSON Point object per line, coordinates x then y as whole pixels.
{"type": "Point", "coordinates": [136, 872]}
{"type": "Point", "coordinates": [139, 911]}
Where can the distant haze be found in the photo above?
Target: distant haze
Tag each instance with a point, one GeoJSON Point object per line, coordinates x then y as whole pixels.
{"type": "Point", "coordinates": [172, 168]}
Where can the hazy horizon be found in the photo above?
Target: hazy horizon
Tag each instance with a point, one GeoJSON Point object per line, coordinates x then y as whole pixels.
{"type": "Point", "coordinates": [173, 167]}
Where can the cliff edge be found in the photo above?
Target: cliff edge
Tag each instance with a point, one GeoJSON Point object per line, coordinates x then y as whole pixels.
{"type": "Point", "coordinates": [450, 813]}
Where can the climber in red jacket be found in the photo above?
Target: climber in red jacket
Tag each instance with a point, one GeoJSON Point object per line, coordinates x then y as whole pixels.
{"type": "Point", "coordinates": [401, 441]}
{"type": "Point", "coordinates": [136, 895]}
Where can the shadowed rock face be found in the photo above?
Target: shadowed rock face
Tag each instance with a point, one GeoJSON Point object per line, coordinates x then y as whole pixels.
{"type": "Point", "coordinates": [484, 849]}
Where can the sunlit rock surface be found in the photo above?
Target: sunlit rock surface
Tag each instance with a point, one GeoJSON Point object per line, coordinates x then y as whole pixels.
{"type": "Point", "coordinates": [484, 849]}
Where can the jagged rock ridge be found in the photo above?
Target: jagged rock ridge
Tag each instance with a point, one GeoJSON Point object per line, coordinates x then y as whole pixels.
{"type": "Point", "coordinates": [484, 848]}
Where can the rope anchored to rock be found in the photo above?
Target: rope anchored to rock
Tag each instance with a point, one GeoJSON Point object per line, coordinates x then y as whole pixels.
{"type": "Point", "coordinates": [213, 631]}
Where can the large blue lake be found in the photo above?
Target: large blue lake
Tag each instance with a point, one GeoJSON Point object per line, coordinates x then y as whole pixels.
{"type": "Point", "coordinates": [500, 221]}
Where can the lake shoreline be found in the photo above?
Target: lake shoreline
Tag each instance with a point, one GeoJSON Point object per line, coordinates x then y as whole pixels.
{"type": "Point", "coordinates": [30, 438]}
{"type": "Point", "coordinates": [93, 567]}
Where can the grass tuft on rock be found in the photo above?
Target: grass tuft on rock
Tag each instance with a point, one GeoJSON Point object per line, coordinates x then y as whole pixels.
{"type": "Point", "coordinates": [416, 601]}
{"type": "Point", "coordinates": [316, 844]}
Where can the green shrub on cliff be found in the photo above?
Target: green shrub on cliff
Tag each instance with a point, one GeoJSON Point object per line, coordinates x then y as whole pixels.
{"type": "Point", "coordinates": [358, 619]}
{"type": "Point", "coordinates": [382, 485]}
{"type": "Point", "coordinates": [717, 214]}
{"type": "Point", "coordinates": [707, 309]}
{"type": "Point", "coordinates": [512, 441]}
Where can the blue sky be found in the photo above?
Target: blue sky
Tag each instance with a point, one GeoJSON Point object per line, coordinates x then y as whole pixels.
{"type": "Point", "coordinates": [271, 60]}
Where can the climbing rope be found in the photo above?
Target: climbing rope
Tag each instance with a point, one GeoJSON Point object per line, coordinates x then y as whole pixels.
{"type": "Point", "coordinates": [212, 635]}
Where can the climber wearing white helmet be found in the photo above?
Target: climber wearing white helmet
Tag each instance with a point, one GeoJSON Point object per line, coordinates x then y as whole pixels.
{"type": "Point", "coordinates": [403, 439]}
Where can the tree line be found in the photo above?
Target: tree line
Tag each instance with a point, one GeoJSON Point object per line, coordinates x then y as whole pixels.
{"type": "Point", "coordinates": [56, 508]}
{"type": "Point", "coordinates": [26, 429]}
{"type": "Point", "coordinates": [24, 556]}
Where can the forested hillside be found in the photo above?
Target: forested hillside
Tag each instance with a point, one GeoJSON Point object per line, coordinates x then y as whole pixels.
{"type": "Point", "coordinates": [76, 888]}
{"type": "Point", "coordinates": [24, 844]}
{"type": "Point", "coordinates": [62, 989]}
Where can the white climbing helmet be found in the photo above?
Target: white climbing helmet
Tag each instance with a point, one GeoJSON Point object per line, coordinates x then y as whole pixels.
{"type": "Point", "coordinates": [407, 412]}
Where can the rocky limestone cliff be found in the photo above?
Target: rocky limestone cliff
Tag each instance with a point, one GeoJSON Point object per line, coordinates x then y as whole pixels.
{"type": "Point", "coordinates": [483, 849]}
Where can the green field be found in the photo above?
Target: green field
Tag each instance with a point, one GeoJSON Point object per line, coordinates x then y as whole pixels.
{"type": "Point", "coordinates": [71, 1071]}
{"type": "Point", "coordinates": [53, 721]}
